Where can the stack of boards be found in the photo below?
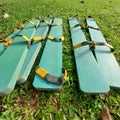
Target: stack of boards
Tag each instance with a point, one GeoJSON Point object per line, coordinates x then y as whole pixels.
{"type": "Point", "coordinates": [97, 69]}
{"type": "Point", "coordinates": [17, 59]}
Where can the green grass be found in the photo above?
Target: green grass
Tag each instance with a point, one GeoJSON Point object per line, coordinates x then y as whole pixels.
{"type": "Point", "coordinates": [26, 103]}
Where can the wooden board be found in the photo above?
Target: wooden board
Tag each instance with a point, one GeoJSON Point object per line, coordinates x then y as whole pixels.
{"type": "Point", "coordinates": [90, 77]}
{"type": "Point", "coordinates": [12, 60]}
{"type": "Point", "coordinates": [105, 58]}
{"type": "Point", "coordinates": [33, 52]}
{"type": "Point", "coordinates": [51, 59]}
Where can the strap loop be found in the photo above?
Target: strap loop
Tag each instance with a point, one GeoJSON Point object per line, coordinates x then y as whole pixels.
{"type": "Point", "coordinates": [56, 39]}
{"type": "Point", "coordinates": [93, 44]}
{"type": "Point", "coordinates": [94, 27]}
{"type": "Point", "coordinates": [48, 77]}
{"type": "Point", "coordinates": [21, 26]}
{"type": "Point", "coordinates": [36, 38]}
{"type": "Point", "coordinates": [10, 41]}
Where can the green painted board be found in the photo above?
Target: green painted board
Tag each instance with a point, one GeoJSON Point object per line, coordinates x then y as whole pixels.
{"type": "Point", "coordinates": [90, 77]}
{"type": "Point", "coordinates": [105, 58]}
{"type": "Point", "coordinates": [33, 52]}
{"type": "Point", "coordinates": [2, 49]}
{"type": "Point", "coordinates": [51, 59]}
{"type": "Point", "coordinates": [12, 60]}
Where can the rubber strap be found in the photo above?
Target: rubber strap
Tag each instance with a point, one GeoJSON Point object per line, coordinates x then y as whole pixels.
{"type": "Point", "coordinates": [48, 77]}
{"type": "Point", "coordinates": [10, 41]}
{"type": "Point", "coordinates": [21, 26]}
{"type": "Point", "coordinates": [36, 38]}
{"type": "Point", "coordinates": [93, 44]}
{"type": "Point", "coordinates": [55, 39]}
{"type": "Point", "coordinates": [75, 26]}
{"type": "Point", "coordinates": [94, 27]}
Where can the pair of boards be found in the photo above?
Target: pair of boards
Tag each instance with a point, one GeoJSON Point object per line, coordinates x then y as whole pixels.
{"type": "Point", "coordinates": [51, 59]}
{"type": "Point", "coordinates": [97, 70]}
{"type": "Point", "coordinates": [17, 60]}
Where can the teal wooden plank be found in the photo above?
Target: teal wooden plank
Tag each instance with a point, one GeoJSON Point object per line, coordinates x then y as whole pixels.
{"type": "Point", "coordinates": [105, 58]}
{"type": "Point", "coordinates": [33, 52]}
{"type": "Point", "coordinates": [90, 77]}
{"type": "Point", "coordinates": [2, 49]}
{"type": "Point", "coordinates": [51, 59]}
{"type": "Point", "coordinates": [12, 60]}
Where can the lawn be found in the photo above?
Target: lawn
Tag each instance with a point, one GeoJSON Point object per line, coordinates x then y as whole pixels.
{"type": "Point", "coordinates": [26, 103]}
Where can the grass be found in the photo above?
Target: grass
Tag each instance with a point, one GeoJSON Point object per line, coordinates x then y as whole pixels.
{"type": "Point", "coordinates": [69, 103]}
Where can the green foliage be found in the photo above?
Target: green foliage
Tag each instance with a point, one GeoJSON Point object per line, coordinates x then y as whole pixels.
{"type": "Point", "coordinates": [69, 103]}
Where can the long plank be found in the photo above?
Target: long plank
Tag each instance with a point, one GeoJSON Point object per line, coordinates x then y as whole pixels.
{"type": "Point", "coordinates": [105, 58]}
{"type": "Point", "coordinates": [2, 49]}
{"type": "Point", "coordinates": [33, 52]}
{"type": "Point", "coordinates": [51, 59]}
{"type": "Point", "coordinates": [12, 60]}
{"type": "Point", "coordinates": [90, 77]}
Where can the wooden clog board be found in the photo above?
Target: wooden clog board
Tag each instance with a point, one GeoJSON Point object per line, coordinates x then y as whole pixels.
{"type": "Point", "coordinates": [51, 59]}
{"type": "Point", "coordinates": [12, 60]}
{"type": "Point", "coordinates": [105, 58]}
{"type": "Point", "coordinates": [33, 52]}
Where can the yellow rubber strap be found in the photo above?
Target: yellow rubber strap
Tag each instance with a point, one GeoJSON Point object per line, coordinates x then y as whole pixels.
{"type": "Point", "coordinates": [25, 38]}
{"type": "Point", "coordinates": [21, 25]}
{"type": "Point", "coordinates": [65, 74]}
{"type": "Point", "coordinates": [53, 38]}
{"type": "Point", "coordinates": [31, 22]}
{"type": "Point", "coordinates": [77, 46]}
{"type": "Point", "coordinates": [8, 42]}
{"type": "Point", "coordinates": [37, 38]}
{"type": "Point", "coordinates": [55, 24]}
{"type": "Point", "coordinates": [41, 72]}
{"type": "Point", "coordinates": [50, 37]}
{"type": "Point", "coordinates": [46, 22]}
{"type": "Point", "coordinates": [91, 44]}
{"type": "Point", "coordinates": [58, 24]}
{"type": "Point", "coordinates": [62, 38]}
{"type": "Point", "coordinates": [110, 46]}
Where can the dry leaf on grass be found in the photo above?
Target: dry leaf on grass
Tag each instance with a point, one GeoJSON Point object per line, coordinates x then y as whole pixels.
{"type": "Point", "coordinates": [105, 114]}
